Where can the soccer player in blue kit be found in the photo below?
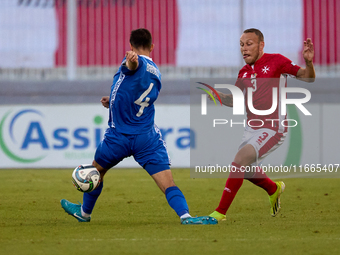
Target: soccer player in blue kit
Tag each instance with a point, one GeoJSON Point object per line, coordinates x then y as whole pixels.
{"type": "Point", "coordinates": [132, 131]}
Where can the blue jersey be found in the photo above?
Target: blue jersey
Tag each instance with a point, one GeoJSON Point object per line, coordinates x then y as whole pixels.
{"type": "Point", "coordinates": [132, 96]}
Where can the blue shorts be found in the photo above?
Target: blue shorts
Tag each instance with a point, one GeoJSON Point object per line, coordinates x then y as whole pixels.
{"type": "Point", "coordinates": [148, 149]}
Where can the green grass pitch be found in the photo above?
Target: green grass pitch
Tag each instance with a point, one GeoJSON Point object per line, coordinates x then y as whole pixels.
{"type": "Point", "coordinates": [133, 217]}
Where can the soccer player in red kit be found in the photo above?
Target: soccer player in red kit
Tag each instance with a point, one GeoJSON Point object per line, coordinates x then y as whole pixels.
{"type": "Point", "coordinates": [258, 142]}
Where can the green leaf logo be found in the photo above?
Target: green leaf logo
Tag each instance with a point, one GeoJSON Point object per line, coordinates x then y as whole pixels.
{"type": "Point", "coordinates": [7, 151]}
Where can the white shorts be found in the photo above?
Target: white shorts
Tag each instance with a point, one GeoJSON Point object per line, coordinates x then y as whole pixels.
{"type": "Point", "coordinates": [264, 140]}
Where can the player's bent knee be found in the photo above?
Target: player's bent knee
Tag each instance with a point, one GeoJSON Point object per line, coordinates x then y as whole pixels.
{"type": "Point", "coordinates": [101, 170]}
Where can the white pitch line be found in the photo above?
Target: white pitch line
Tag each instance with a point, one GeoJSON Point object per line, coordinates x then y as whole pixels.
{"type": "Point", "coordinates": [204, 239]}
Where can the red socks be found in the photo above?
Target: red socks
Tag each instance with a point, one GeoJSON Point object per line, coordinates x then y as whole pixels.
{"type": "Point", "coordinates": [262, 180]}
{"type": "Point", "coordinates": [235, 181]}
{"type": "Point", "coordinates": [232, 185]}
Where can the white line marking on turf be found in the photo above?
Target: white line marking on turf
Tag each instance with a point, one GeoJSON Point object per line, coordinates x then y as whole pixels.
{"type": "Point", "coordinates": [198, 239]}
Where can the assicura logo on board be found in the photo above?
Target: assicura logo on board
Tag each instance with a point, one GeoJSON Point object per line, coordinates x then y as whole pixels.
{"type": "Point", "coordinates": [26, 138]}
{"type": "Point", "coordinates": [55, 136]}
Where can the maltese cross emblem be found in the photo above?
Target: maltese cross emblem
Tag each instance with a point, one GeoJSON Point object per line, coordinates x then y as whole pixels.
{"type": "Point", "coordinates": [265, 69]}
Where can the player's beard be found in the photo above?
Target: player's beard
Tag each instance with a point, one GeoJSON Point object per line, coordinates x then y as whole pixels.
{"type": "Point", "coordinates": [257, 54]}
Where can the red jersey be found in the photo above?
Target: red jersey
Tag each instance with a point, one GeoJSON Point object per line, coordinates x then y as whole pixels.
{"type": "Point", "coordinates": [268, 66]}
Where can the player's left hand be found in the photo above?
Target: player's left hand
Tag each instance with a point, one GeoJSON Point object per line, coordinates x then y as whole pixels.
{"type": "Point", "coordinates": [105, 101]}
{"type": "Point", "coordinates": [308, 50]}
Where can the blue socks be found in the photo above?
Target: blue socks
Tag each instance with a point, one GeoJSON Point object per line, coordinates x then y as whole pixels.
{"type": "Point", "coordinates": [177, 200]}
{"type": "Point", "coordinates": [89, 199]}
{"type": "Point", "coordinates": [173, 194]}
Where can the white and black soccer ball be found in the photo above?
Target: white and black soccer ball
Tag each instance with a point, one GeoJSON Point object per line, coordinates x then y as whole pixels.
{"type": "Point", "coordinates": [86, 178]}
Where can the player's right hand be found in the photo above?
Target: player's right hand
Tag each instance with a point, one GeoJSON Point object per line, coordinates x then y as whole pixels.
{"type": "Point", "coordinates": [210, 96]}
{"type": "Point", "coordinates": [131, 56]}
{"type": "Point", "coordinates": [131, 60]}
{"type": "Point", "coordinates": [105, 101]}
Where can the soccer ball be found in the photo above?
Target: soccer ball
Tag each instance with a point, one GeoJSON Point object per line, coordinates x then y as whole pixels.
{"type": "Point", "coordinates": [86, 178]}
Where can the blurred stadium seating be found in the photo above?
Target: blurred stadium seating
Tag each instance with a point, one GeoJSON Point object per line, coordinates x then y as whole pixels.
{"type": "Point", "coordinates": [86, 39]}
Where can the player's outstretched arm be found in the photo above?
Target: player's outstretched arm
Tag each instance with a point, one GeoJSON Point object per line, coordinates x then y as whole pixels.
{"type": "Point", "coordinates": [307, 74]}
{"type": "Point", "coordinates": [105, 101]}
{"type": "Point", "coordinates": [227, 99]}
{"type": "Point", "coordinates": [131, 60]}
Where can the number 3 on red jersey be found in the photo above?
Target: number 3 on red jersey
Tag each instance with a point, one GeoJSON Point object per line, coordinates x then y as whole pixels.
{"type": "Point", "coordinates": [253, 81]}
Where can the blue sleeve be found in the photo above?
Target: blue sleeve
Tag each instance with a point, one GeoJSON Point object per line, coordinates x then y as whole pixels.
{"type": "Point", "coordinates": [126, 70]}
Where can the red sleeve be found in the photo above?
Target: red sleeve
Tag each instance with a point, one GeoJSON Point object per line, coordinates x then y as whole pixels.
{"type": "Point", "coordinates": [239, 82]}
{"type": "Point", "coordinates": [288, 67]}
